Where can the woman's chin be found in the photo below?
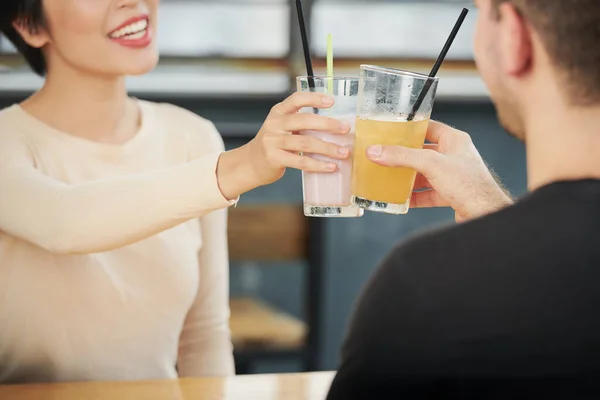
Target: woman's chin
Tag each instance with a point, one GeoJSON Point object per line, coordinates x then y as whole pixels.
{"type": "Point", "coordinates": [141, 67]}
{"type": "Point", "coordinates": [140, 71]}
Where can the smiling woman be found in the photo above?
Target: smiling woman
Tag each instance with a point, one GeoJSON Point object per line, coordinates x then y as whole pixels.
{"type": "Point", "coordinates": [133, 32]}
{"type": "Point", "coordinates": [78, 34]}
{"type": "Point", "coordinates": [113, 237]}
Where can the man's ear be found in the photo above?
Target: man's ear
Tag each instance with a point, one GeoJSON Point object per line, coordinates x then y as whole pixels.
{"type": "Point", "coordinates": [515, 41]}
{"type": "Point", "coordinates": [36, 38]}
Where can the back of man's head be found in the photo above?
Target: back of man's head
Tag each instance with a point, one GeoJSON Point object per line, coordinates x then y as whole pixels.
{"type": "Point", "coordinates": [570, 32]}
{"type": "Point", "coordinates": [529, 50]}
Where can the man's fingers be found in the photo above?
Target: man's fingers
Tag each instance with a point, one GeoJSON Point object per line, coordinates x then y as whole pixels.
{"type": "Point", "coordinates": [422, 183]}
{"type": "Point", "coordinates": [431, 146]}
{"type": "Point", "coordinates": [299, 100]}
{"type": "Point", "coordinates": [421, 160]}
{"type": "Point", "coordinates": [427, 199]}
{"type": "Point", "coordinates": [435, 130]}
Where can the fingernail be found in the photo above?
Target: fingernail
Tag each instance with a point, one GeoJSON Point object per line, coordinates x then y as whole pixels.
{"type": "Point", "coordinates": [375, 151]}
{"type": "Point", "coordinates": [344, 151]}
{"type": "Point", "coordinates": [327, 100]}
{"type": "Point", "coordinates": [344, 126]}
{"type": "Point", "coordinates": [331, 166]}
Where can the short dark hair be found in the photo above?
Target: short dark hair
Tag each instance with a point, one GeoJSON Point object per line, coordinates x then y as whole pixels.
{"type": "Point", "coordinates": [570, 31]}
{"type": "Point", "coordinates": [31, 14]}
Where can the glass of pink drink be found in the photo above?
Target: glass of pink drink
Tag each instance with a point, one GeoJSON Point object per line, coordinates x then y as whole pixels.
{"type": "Point", "coordinates": [328, 194]}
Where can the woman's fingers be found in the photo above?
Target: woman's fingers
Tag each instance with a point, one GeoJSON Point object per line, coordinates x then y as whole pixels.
{"type": "Point", "coordinates": [304, 162]}
{"type": "Point", "coordinates": [299, 100]}
{"type": "Point", "coordinates": [312, 122]}
{"type": "Point", "coordinates": [311, 145]}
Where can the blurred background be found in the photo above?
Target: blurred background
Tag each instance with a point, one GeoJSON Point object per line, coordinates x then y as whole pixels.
{"type": "Point", "coordinates": [294, 281]}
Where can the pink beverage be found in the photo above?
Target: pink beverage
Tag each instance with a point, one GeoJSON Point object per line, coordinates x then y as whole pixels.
{"type": "Point", "coordinates": [328, 194]}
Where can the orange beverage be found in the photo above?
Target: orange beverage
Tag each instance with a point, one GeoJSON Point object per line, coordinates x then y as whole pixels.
{"type": "Point", "coordinates": [377, 183]}
{"type": "Point", "coordinates": [394, 108]}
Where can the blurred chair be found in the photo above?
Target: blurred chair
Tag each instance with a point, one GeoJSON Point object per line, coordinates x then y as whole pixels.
{"type": "Point", "coordinates": [274, 233]}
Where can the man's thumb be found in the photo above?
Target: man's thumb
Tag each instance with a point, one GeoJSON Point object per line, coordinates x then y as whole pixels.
{"type": "Point", "coordinates": [397, 156]}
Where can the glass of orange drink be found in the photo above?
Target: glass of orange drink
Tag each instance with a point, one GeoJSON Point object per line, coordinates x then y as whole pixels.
{"type": "Point", "coordinates": [394, 108]}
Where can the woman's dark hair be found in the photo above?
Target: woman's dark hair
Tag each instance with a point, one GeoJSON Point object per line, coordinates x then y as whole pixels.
{"type": "Point", "coordinates": [31, 14]}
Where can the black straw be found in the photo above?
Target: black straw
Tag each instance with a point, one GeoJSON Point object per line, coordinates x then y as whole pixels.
{"type": "Point", "coordinates": [438, 64]}
{"type": "Point", "coordinates": [305, 45]}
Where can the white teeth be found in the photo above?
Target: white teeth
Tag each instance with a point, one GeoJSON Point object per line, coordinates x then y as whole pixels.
{"type": "Point", "coordinates": [135, 36]}
{"type": "Point", "coordinates": [135, 30]}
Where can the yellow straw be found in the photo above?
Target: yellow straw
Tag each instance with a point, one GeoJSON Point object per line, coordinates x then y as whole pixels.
{"type": "Point", "coordinates": [330, 63]}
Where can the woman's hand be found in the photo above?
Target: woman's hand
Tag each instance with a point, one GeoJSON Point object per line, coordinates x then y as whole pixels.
{"type": "Point", "coordinates": [277, 146]}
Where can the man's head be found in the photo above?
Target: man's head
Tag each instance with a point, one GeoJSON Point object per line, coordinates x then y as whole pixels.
{"type": "Point", "coordinates": [82, 34]}
{"type": "Point", "coordinates": [529, 49]}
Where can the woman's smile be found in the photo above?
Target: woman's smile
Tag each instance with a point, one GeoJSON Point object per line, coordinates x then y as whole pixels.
{"type": "Point", "coordinates": [135, 32]}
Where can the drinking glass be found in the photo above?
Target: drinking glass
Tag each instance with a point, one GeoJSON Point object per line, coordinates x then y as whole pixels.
{"type": "Point", "coordinates": [328, 194]}
{"type": "Point", "coordinates": [394, 108]}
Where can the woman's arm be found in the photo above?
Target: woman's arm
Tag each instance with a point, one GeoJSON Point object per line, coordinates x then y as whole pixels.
{"type": "Point", "coordinates": [205, 347]}
{"type": "Point", "coordinates": [103, 214]}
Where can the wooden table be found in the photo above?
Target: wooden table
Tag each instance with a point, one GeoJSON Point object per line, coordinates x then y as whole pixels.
{"type": "Point", "coordinates": [312, 386]}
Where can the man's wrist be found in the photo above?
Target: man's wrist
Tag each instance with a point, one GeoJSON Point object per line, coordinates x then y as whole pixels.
{"type": "Point", "coordinates": [484, 207]}
{"type": "Point", "coordinates": [502, 200]}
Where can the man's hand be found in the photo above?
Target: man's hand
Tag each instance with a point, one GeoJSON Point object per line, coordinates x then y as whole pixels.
{"type": "Point", "coordinates": [450, 173]}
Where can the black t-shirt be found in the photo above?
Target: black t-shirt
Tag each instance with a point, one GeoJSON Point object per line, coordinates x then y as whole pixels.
{"type": "Point", "coordinates": [503, 307]}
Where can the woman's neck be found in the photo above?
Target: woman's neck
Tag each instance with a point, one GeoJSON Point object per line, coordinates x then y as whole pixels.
{"type": "Point", "coordinates": [86, 105]}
